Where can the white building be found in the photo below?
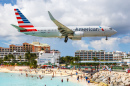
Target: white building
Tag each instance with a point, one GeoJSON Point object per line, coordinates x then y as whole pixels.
{"type": "Point", "coordinates": [51, 57]}
{"type": "Point", "coordinates": [126, 61]}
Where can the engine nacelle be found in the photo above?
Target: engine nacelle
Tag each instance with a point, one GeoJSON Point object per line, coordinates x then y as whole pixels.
{"type": "Point", "coordinates": [79, 33]}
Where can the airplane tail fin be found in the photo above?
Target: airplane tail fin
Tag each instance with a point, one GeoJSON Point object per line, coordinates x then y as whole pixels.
{"type": "Point", "coordinates": [23, 22]}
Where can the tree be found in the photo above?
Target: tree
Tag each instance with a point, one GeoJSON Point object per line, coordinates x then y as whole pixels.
{"type": "Point", "coordinates": [11, 57]}
{"type": "Point", "coordinates": [77, 59]}
{"type": "Point", "coordinates": [31, 59]}
{"type": "Point", "coordinates": [6, 58]}
{"type": "Point", "coordinates": [95, 59]}
{"type": "Point", "coordinates": [68, 59]}
{"type": "Point", "coordinates": [62, 60]}
{"type": "Point", "coordinates": [20, 58]}
{"type": "Point", "coordinates": [1, 61]}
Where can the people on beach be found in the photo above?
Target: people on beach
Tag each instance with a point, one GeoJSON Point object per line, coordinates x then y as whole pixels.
{"type": "Point", "coordinates": [26, 75]}
{"type": "Point", "coordinates": [71, 74]}
{"type": "Point", "coordinates": [88, 81]}
{"type": "Point", "coordinates": [109, 80]}
{"type": "Point", "coordinates": [61, 80]}
{"type": "Point", "coordinates": [110, 70]}
{"type": "Point", "coordinates": [86, 78]}
{"type": "Point", "coordinates": [67, 79]}
{"type": "Point", "coordinates": [78, 78]}
{"type": "Point", "coordinates": [81, 77]}
{"type": "Point", "coordinates": [76, 73]}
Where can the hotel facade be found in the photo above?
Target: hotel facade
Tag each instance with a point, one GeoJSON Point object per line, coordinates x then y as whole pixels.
{"type": "Point", "coordinates": [43, 52]}
{"type": "Point", "coordinates": [88, 55]}
{"type": "Point", "coordinates": [33, 47]}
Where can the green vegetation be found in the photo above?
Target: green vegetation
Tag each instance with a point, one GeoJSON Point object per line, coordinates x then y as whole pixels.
{"type": "Point", "coordinates": [30, 57]}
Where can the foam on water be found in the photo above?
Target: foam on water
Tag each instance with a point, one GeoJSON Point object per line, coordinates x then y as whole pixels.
{"type": "Point", "coordinates": [12, 79]}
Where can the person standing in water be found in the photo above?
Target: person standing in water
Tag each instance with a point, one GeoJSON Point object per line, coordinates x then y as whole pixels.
{"type": "Point", "coordinates": [67, 79]}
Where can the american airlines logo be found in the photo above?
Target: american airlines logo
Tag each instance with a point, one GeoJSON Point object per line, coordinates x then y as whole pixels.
{"type": "Point", "coordinates": [87, 29]}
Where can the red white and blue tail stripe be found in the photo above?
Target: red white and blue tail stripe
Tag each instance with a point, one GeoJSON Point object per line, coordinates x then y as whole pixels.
{"type": "Point", "coordinates": [23, 22]}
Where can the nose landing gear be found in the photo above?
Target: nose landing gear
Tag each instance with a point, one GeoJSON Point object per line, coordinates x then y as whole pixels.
{"type": "Point", "coordinates": [106, 38]}
{"type": "Point", "coordinates": [66, 39]}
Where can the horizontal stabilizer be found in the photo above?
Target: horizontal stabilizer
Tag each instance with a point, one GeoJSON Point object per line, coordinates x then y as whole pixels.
{"type": "Point", "coordinates": [17, 27]}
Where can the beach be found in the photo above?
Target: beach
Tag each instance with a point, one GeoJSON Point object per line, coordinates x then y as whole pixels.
{"type": "Point", "coordinates": [63, 73]}
{"type": "Point", "coordinates": [101, 78]}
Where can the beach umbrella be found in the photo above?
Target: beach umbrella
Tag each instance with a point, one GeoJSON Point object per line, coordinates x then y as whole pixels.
{"type": "Point", "coordinates": [45, 65]}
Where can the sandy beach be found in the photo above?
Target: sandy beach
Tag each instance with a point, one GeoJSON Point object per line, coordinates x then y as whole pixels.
{"type": "Point", "coordinates": [100, 78]}
{"type": "Point", "coordinates": [63, 73]}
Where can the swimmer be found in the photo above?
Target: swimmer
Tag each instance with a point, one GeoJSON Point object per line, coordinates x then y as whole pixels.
{"type": "Point", "coordinates": [61, 80]}
{"type": "Point", "coordinates": [67, 79]}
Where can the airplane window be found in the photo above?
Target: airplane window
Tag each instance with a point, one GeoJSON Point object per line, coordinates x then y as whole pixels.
{"type": "Point", "coordinates": [110, 28]}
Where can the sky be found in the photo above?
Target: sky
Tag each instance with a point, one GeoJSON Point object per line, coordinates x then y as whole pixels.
{"type": "Point", "coordinates": [112, 13]}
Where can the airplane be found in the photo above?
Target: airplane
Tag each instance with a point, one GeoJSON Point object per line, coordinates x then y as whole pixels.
{"type": "Point", "coordinates": [61, 31]}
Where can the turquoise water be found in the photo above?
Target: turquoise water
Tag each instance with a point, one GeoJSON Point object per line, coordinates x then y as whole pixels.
{"type": "Point", "coordinates": [12, 79]}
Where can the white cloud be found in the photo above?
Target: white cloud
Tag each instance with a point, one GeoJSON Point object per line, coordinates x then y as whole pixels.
{"type": "Point", "coordinates": [125, 39]}
{"type": "Point", "coordinates": [80, 44]}
{"type": "Point", "coordinates": [110, 44]}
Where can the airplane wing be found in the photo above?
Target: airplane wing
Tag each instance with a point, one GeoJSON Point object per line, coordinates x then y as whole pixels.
{"type": "Point", "coordinates": [65, 31]}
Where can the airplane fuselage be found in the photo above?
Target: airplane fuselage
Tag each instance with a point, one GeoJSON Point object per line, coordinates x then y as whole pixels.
{"type": "Point", "coordinates": [79, 31]}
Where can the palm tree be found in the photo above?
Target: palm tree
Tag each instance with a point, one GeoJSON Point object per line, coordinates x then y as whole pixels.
{"type": "Point", "coordinates": [77, 59]}
{"type": "Point", "coordinates": [68, 59]}
{"type": "Point", "coordinates": [20, 58]}
{"type": "Point", "coordinates": [95, 59]}
{"type": "Point", "coordinates": [6, 58]}
{"type": "Point", "coordinates": [31, 58]}
{"type": "Point", "coordinates": [1, 61]}
{"type": "Point", "coordinates": [11, 57]}
{"type": "Point", "coordinates": [62, 60]}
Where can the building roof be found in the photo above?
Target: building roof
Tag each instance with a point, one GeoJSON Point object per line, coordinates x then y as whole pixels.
{"type": "Point", "coordinates": [39, 44]}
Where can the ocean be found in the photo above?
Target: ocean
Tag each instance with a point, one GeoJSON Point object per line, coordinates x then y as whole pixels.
{"type": "Point", "coordinates": [16, 79]}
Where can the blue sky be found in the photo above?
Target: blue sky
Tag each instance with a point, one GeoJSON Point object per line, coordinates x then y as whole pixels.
{"type": "Point", "coordinates": [75, 12]}
{"type": "Point", "coordinates": [12, 2]}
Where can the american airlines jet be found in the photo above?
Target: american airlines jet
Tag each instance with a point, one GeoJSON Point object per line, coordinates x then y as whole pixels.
{"type": "Point", "coordinates": [61, 31]}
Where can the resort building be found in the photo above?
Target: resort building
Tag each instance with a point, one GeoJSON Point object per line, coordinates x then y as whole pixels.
{"type": "Point", "coordinates": [88, 55]}
{"type": "Point", "coordinates": [126, 61]}
{"type": "Point", "coordinates": [49, 58]}
{"type": "Point", "coordinates": [16, 55]}
{"type": "Point", "coordinates": [20, 50]}
{"type": "Point", "coordinates": [33, 47]}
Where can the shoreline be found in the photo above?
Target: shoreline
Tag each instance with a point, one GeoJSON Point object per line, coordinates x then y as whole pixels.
{"type": "Point", "coordinates": [62, 73]}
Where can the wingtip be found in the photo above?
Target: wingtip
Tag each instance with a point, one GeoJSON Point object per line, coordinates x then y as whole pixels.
{"type": "Point", "coordinates": [51, 17]}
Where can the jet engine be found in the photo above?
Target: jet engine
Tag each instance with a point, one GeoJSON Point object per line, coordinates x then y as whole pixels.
{"type": "Point", "coordinates": [79, 33]}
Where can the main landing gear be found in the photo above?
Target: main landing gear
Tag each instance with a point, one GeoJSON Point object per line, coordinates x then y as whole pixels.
{"type": "Point", "coordinates": [106, 38]}
{"type": "Point", "coordinates": [66, 39]}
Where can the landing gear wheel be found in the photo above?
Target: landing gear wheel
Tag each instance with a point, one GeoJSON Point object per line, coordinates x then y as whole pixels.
{"type": "Point", "coordinates": [66, 39]}
{"type": "Point", "coordinates": [106, 38]}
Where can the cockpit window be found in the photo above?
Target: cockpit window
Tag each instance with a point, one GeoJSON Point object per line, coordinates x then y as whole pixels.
{"type": "Point", "coordinates": [110, 28]}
